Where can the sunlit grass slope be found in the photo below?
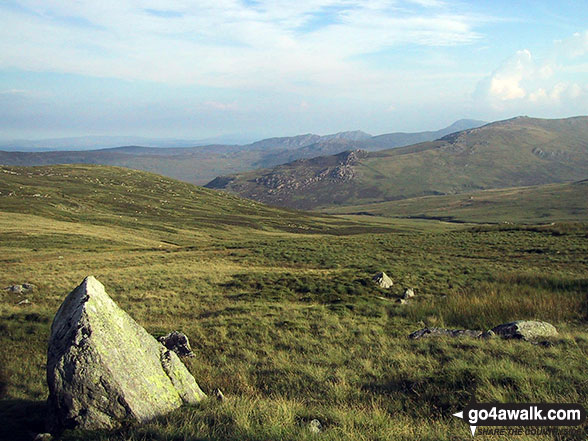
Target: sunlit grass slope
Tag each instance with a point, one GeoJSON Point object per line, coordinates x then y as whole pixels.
{"type": "Point", "coordinates": [531, 205]}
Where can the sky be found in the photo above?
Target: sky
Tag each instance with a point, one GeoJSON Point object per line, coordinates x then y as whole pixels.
{"type": "Point", "coordinates": [257, 68]}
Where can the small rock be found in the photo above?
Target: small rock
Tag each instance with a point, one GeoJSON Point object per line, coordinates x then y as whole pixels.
{"type": "Point", "coordinates": [219, 395]}
{"type": "Point", "coordinates": [177, 342]}
{"type": "Point", "coordinates": [488, 334]}
{"type": "Point", "coordinates": [402, 301]}
{"type": "Point", "coordinates": [24, 302]}
{"type": "Point", "coordinates": [525, 330]}
{"type": "Point", "coordinates": [43, 437]}
{"type": "Point", "coordinates": [408, 293]}
{"type": "Point", "coordinates": [441, 332]}
{"type": "Point", "coordinates": [315, 426]}
{"type": "Point", "coordinates": [382, 280]}
{"type": "Point", "coordinates": [21, 289]}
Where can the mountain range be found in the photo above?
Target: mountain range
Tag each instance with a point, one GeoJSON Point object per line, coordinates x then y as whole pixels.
{"type": "Point", "coordinates": [521, 151]}
{"type": "Point", "coordinates": [200, 164]}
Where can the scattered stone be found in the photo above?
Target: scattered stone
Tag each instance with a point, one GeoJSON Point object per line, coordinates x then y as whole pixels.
{"type": "Point", "coordinates": [382, 280]}
{"type": "Point", "coordinates": [408, 293]}
{"type": "Point", "coordinates": [441, 332]}
{"type": "Point", "coordinates": [315, 426]}
{"type": "Point", "coordinates": [525, 330]}
{"type": "Point", "coordinates": [43, 437]}
{"type": "Point", "coordinates": [219, 395]}
{"type": "Point", "coordinates": [24, 302]}
{"type": "Point", "coordinates": [104, 368]}
{"type": "Point", "coordinates": [177, 342]}
{"type": "Point", "coordinates": [25, 288]}
{"type": "Point", "coordinates": [488, 334]}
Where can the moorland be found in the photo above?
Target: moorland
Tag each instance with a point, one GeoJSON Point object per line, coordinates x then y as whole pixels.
{"type": "Point", "coordinates": [280, 308]}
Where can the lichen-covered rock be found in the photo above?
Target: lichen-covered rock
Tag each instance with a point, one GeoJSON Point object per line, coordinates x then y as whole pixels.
{"type": "Point", "coordinates": [315, 426]}
{"type": "Point", "coordinates": [525, 330]}
{"type": "Point", "coordinates": [103, 367]}
{"type": "Point", "coordinates": [441, 332]}
{"type": "Point", "coordinates": [177, 342]}
{"type": "Point", "coordinates": [382, 280]}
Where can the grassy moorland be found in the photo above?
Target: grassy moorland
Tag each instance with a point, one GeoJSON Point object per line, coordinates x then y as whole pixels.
{"type": "Point", "coordinates": [538, 204]}
{"type": "Point", "coordinates": [280, 310]}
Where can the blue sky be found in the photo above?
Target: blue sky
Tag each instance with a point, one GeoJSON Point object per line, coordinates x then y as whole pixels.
{"type": "Point", "coordinates": [198, 69]}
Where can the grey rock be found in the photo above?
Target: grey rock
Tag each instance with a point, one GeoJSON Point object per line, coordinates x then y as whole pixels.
{"type": "Point", "coordinates": [441, 332]}
{"type": "Point", "coordinates": [103, 367]}
{"type": "Point", "coordinates": [25, 288]}
{"type": "Point", "coordinates": [382, 280]}
{"type": "Point", "coordinates": [24, 302]}
{"type": "Point", "coordinates": [525, 330]}
{"type": "Point", "coordinates": [408, 293]}
{"type": "Point", "coordinates": [315, 426]}
{"type": "Point", "coordinates": [43, 437]}
{"type": "Point", "coordinates": [402, 301]}
{"type": "Point", "coordinates": [177, 342]}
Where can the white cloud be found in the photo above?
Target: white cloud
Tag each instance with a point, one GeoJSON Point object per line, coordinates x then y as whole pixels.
{"type": "Point", "coordinates": [223, 43]}
{"type": "Point", "coordinates": [523, 79]}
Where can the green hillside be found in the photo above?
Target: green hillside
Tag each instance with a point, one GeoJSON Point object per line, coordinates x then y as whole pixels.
{"type": "Point", "coordinates": [281, 311]}
{"type": "Point", "coordinates": [141, 201]}
{"type": "Point", "coordinates": [518, 152]}
{"type": "Point", "coordinates": [529, 205]}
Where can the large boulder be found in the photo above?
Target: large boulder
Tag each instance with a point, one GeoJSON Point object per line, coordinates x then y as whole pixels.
{"type": "Point", "coordinates": [103, 367]}
{"type": "Point", "coordinates": [382, 280]}
{"type": "Point", "coordinates": [525, 330]}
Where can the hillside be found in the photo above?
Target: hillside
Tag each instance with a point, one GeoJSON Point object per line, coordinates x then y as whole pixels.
{"type": "Point", "coordinates": [517, 152]}
{"type": "Point", "coordinates": [142, 203]}
{"type": "Point", "coordinates": [200, 164]}
{"type": "Point", "coordinates": [567, 202]}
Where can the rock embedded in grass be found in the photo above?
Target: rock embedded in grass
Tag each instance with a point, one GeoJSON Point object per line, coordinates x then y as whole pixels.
{"type": "Point", "coordinates": [441, 332]}
{"type": "Point", "coordinates": [408, 293]}
{"type": "Point", "coordinates": [525, 330]}
{"type": "Point", "coordinates": [103, 368]}
{"type": "Point", "coordinates": [315, 426]}
{"type": "Point", "coordinates": [382, 280]}
{"type": "Point", "coordinates": [25, 288]}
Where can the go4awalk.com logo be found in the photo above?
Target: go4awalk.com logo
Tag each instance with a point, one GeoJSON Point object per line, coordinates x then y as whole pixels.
{"type": "Point", "coordinates": [529, 418]}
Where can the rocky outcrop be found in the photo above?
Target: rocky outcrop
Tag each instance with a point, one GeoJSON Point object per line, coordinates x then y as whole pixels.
{"type": "Point", "coordinates": [342, 170]}
{"type": "Point", "coordinates": [382, 280]}
{"type": "Point", "coordinates": [103, 367]}
{"type": "Point", "coordinates": [525, 330]}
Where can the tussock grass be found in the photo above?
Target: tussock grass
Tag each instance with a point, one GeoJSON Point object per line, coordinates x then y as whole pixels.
{"type": "Point", "coordinates": [512, 297]}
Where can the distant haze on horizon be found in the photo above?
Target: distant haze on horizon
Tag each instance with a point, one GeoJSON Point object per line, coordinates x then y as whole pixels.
{"type": "Point", "coordinates": [248, 69]}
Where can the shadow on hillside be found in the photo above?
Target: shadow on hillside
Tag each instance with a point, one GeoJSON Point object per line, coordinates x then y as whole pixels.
{"type": "Point", "coordinates": [21, 420]}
